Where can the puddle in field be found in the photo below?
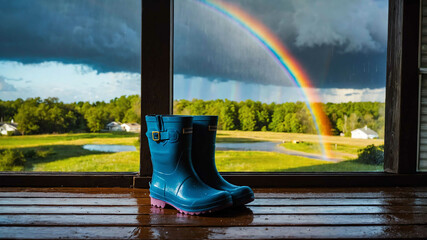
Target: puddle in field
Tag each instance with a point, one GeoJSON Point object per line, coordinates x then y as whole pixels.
{"type": "Point", "coordinates": [109, 148]}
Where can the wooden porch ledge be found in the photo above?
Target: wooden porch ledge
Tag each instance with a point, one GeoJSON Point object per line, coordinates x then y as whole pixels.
{"type": "Point", "coordinates": [31, 213]}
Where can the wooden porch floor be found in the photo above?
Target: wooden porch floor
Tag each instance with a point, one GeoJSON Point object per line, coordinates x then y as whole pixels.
{"type": "Point", "coordinates": [34, 213]}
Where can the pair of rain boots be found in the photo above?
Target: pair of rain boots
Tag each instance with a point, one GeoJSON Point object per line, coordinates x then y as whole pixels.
{"type": "Point", "coordinates": [184, 173]}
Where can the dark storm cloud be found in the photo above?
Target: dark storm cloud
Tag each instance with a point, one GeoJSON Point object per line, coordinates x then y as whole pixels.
{"type": "Point", "coordinates": [341, 44]}
{"type": "Point", "coordinates": [104, 34]}
{"type": "Point", "coordinates": [211, 46]}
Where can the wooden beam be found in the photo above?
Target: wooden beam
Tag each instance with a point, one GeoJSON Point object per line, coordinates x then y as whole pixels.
{"type": "Point", "coordinates": [157, 68]}
{"type": "Point", "coordinates": [401, 128]}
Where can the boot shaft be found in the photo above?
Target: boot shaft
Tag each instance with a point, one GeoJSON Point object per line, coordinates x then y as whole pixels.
{"type": "Point", "coordinates": [170, 140]}
{"type": "Point", "coordinates": [204, 136]}
{"type": "Point", "coordinates": [203, 158]}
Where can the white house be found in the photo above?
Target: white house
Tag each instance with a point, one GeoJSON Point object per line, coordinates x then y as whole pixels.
{"type": "Point", "coordinates": [5, 128]}
{"type": "Point", "coordinates": [131, 127]}
{"type": "Point", "coordinates": [364, 133]}
{"type": "Point", "coordinates": [114, 127]}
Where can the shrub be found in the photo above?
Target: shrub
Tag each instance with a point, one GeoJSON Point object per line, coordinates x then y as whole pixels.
{"type": "Point", "coordinates": [44, 153]}
{"type": "Point", "coordinates": [11, 160]}
{"type": "Point", "coordinates": [371, 154]}
{"type": "Point", "coordinates": [29, 154]}
{"type": "Point", "coordinates": [38, 153]}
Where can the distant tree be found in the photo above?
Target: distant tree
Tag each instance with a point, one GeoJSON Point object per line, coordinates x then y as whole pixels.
{"type": "Point", "coordinates": [353, 122]}
{"type": "Point", "coordinates": [182, 107]}
{"type": "Point", "coordinates": [96, 119]}
{"type": "Point", "coordinates": [295, 124]}
{"type": "Point", "coordinates": [263, 116]}
{"type": "Point", "coordinates": [27, 118]}
{"type": "Point", "coordinates": [35, 115]}
{"type": "Point", "coordinates": [277, 119]}
{"type": "Point", "coordinates": [247, 118]}
{"type": "Point", "coordinates": [340, 125]}
{"type": "Point", "coordinates": [228, 117]}
{"type": "Point", "coordinates": [197, 107]}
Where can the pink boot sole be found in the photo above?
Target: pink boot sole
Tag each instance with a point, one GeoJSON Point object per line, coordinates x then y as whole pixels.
{"type": "Point", "coordinates": [162, 204]}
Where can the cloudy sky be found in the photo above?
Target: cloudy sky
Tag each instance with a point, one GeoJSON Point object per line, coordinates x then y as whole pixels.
{"type": "Point", "coordinates": [341, 44]}
{"type": "Point", "coordinates": [89, 50]}
{"type": "Point", "coordinates": [72, 49]}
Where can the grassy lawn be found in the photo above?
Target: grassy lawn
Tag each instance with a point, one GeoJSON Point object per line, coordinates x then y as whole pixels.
{"type": "Point", "coordinates": [344, 148]}
{"type": "Point", "coordinates": [346, 151]}
{"type": "Point", "coordinates": [252, 161]}
{"type": "Point", "coordinates": [67, 154]}
{"type": "Point", "coordinates": [289, 137]}
{"type": "Point", "coordinates": [91, 162]}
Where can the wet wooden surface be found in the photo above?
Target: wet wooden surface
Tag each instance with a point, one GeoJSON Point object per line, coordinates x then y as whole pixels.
{"type": "Point", "coordinates": [39, 213]}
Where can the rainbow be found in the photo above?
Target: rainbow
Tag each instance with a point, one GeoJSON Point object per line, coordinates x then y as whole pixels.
{"type": "Point", "coordinates": [288, 63]}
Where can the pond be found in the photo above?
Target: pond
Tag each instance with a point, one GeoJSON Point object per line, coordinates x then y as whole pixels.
{"type": "Point", "coordinates": [224, 146]}
{"type": "Point", "coordinates": [109, 148]}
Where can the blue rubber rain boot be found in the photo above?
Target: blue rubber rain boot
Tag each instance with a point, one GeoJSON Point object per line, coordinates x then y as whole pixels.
{"type": "Point", "coordinates": [203, 157]}
{"type": "Point", "coordinates": [174, 180]}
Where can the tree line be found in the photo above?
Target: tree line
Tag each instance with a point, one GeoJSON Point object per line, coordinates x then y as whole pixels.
{"type": "Point", "coordinates": [38, 116]}
{"type": "Point", "coordinates": [291, 117]}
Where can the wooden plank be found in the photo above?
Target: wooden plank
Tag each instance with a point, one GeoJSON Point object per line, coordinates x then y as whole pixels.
{"type": "Point", "coordinates": [68, 195]}
{"type": "Point", "coordinates": [407, 192]}
{"type": "Point", "coordinates": [388, 190]}
{"type": "Point", "coordinates": [325, 179]}
{"type": "Point", "coordinates": [257, 202]}
{"type": "Point", "coordinates": [66, 180]}
{"type": "Point", "coordinates": [372, 191]}
{"type": "Point", "coordinates": [311, 232]}
{"type": "Point", "coordinates": [341, 195]}
{"type": "Point", "coordinates": [136, 191]}
{"type": "Point", "coordinates": [240, 218]}
{"type": "Point", "coordinates": [356, 195]}
{"type": "Point", "coordinates": [97, 190]}
{"type": "Point", "coordinates": [75, 201]}
{"type": "Point", "coordinates": [254, 209]}
{"type": "Point", "coordinates": [339, 202]}
{"type": "Point", "coordinates": [74, 192]}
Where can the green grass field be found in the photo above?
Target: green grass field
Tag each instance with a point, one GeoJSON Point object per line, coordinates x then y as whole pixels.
{"type": "Point", "coordinates": [253, 161]}
{"type": "Point", "coordinates": [346, 151]}
{"type": "Point", "coordinates": [67, 154]}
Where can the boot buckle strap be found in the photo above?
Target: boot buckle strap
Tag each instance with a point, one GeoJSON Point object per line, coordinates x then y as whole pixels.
{"type": "Point", "coordinates": [155, 135]}
{"type": "Point", "coordinates": [212, 128]}
{"type": "Point", "coordinates": [166, 135]}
